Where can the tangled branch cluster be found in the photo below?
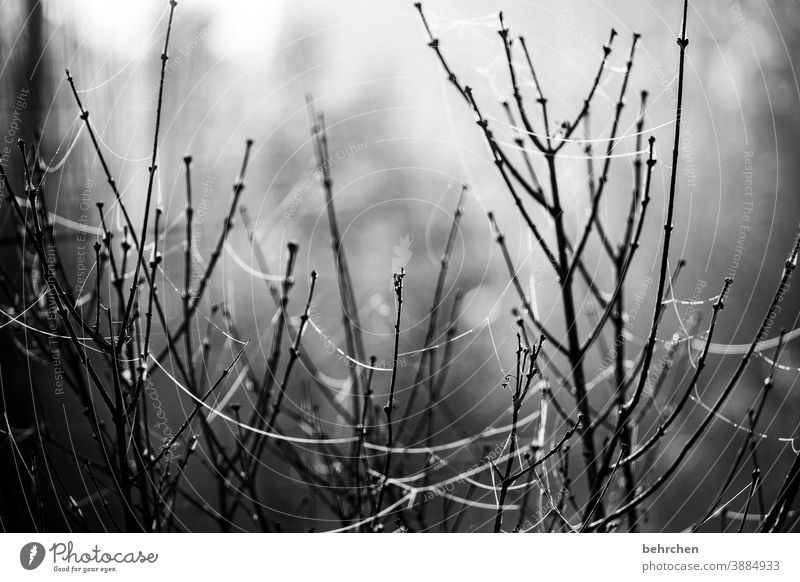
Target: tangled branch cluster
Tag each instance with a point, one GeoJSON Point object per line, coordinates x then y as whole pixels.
{"type": "Point", "coordinates": [387, 465]}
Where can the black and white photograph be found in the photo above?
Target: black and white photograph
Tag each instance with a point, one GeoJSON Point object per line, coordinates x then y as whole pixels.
{"type": "Point", "coordinates": [362, 266]}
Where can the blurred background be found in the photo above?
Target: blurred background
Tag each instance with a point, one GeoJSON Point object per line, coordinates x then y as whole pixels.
{"type": "Point", "coordinates": [402, 141]}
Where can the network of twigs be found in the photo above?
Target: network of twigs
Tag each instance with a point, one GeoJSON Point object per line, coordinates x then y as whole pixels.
{"type": "Point", "coordinates": [386, 468]}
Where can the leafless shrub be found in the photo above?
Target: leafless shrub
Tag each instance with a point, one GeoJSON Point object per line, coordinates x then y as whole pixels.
{"type": "Point", "coordinates": [106, 356]}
